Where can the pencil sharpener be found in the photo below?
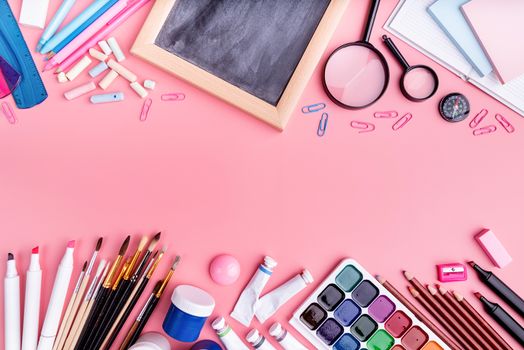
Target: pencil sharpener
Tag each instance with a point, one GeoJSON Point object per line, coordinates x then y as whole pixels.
{"type": "Point", "coordinates": [452, 272]}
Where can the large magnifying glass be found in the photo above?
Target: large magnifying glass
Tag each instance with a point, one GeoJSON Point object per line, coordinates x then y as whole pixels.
{"type": "Point", "coordinates": [9, 78]}
{"type": "Point", "coordinates": [356, 74]}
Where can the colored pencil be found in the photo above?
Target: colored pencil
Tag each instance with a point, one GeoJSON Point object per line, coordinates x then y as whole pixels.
{"type": "Point", "coordinates": [434, 328]}
{"type": "Point", "coordinates": [480, 320]}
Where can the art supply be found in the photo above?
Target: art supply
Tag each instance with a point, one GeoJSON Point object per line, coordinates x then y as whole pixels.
{"type": "Point", "coordinates": [105, 47]}
{"type": "Point", "coordinates": [97, 54]}
{"type": "Point", "coordinates": [313, 108]}
{"type": "Point", "coordinates": [13, 49]}
{"type": "Point", "coordinates": [417, 83]}
{"type": "Point", "coordinates": [478, 118]}
{"type": "Point", "coordinates": [139, 89]}
{"type": "Point", "coordinates": [117, 51]}
{"type": "Point", "coordinates": [151, 341]}
{"type": "Point", "coordinates": [227, 335]}
{"type": "Point", "coordinates": [399, 124]}
{"type": "Point", "coordinates": [9, 78]}
{"type": "Point", "coordinates": [57, 300]}
{"type": "Point", "coordinates": [79, 91]}
{"type": "Point", "coordinates": [9, 113]}
{"type": "Point", "coordinates": [286, 340]}
{"type": "Point", "coordinates": [493, 248]}
{"type": "Point", "coordinates": [224, 269]}
{"type": "Point", "coordinates": [322, 124]}
{"type": "Point", "coordinates": [62, 77]}
{"type": "Point", "coordinates": [454, 107]}
{"type": "Point", "coordinates": [351, 310]}
{"type": "Point", "coordinates": [356, 75]}
{"type": "Point", "coordinates": [362, 126]}
{"type": "Point", "coordinates": [189, 310]}
{"type": "Point", "coordinates": [258, 341]}
{"type": "Point", "coordinates": [33, 287]}
{"type": "Point", "coordinates": [121, 70]}
{"type": "Point", "coordinates": [452, 272]}
{"type": "Point", "coordinates": [107, 98]}
{"type": "Point", "coordinates": [500, 288]}
{"type": "Point", "coordinates": [505, 123]}
{"type": "Point", "coordinates": [245, 307]}
{"type": "Point", "coordinates": [387, 114]}
{"type": "Point", "coordinates": [108, 79]}
{"type": "Point", "coordinates": [176, 96]}
{"type": "Point", "coordinates": [149, 84]}
{"type": "Point", "coordinates": [34, 13]}
{"type": "Point", "coordinates": [11, 305]}
{"type": "Point", "coordinates": [55, 22]}
{"type": "Point", "coordinates": [205, 345]}
{"type": "Point", "coordinates": [78, 68]}
{"type": "Point", "coordinates": [146, 107]}
{"type": "Point", "coordinates": [503, 318]}
{"type": "Point", "coordinates": [485, 130]}
{"type": "Point", "coordinates": [98, 69]}
{"type": "Point", "coordinates": [272, 301]}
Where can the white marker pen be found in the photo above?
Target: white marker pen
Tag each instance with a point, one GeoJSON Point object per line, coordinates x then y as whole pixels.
{"type": "Point", "coordinates": [56, 303]}
{"type": "Point", "coordinates": [227, 335]}
{"type": "Point", "coordinates": [286, 340]}
{"type": "Point", "coordinates": [259, 341]}
{"type": "Point", "coordinates": [245, 306]}
{"type": "Point", "coordinates": [11, 305]}
{"type": "Point", "coordinates": [33, 286]}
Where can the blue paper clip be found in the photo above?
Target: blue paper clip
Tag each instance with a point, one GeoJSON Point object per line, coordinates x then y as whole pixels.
{"type": "Point", "coordinates": [322, 124]}
{"type": "Point", "coordinates": [313, 108]}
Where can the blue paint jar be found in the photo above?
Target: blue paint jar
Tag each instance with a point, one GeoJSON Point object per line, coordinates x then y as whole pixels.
{"type": "Point", "coordinates": [189, 310]}
{"type": "Point", "coordinates": [206, 345]}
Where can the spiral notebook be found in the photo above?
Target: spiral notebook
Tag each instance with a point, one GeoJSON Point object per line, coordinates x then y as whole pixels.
{"type": "Point", "coordinates": [411, 22]}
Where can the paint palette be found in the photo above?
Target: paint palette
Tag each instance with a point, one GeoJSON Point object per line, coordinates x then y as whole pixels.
{"type": "Point", "coordinates": [351, 310]}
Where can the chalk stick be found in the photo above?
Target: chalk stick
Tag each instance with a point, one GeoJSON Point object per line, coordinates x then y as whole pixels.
{"type": "Point", "coordinates": [105, 47]}
{"type": "Point", "coordinates": [117, 51]}
{"type": "Point", "coordinates": [97, 54]}
{"type": "Point", "coordinates": [139, 89]}
{"type": "Point", "coordinates": [61, 77]}
{"type": "Point", "coordinates": [108, 79]}
{"type": "Point", "coordinates": [78, 68]}
{"type": "Point", "coordinates": [121, 70]}
{"type": "Point", "coordinates": [107, 98]}
{"type": "Point", "coordinates": [33, 13]}
{"type": "Point", "coordinates": [98, 69]}
{"type": "Point", "coordinates": [79, 91]}
{"type": "Point", "coordinates": [493, 248]}
{"type": "Point", "coordinates": [149, 84]}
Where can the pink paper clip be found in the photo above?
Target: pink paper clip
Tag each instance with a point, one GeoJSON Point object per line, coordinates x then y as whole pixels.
{"type": "Point", "coordinates": [145, 109]}
{"type": "Point", "coordinates": [313, 108]}
{"type": "Point", "coordinates": [505, 124]}
{"type": "Point", "coordinates": [485, 130]}
{"type": "Point", "coordinates": [386, 114]}
{"type": "Point", "coordinates": [402, 121]}
{"type": "Point", "coordinates": [362, 126]}
{"type": "Point", "coordinates": [478, 118]}
{"type": "Point", "coordinates": [322, 124]}
{"type": "Point", "coordinates": [175, 96]}
{"type": "Point", "coordinates": [8, 113]}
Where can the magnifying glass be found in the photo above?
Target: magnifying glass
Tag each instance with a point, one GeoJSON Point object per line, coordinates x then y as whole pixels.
{"type": "Point", "coordinates": [356, 74]}
{"type": "Point", "coordinates": [418, 83]}
{"type": "Point", "coordinates": [9, 78]}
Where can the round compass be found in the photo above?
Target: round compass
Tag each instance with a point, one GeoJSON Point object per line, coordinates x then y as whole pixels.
{"type": "Point", "coordinates": [454, 107]}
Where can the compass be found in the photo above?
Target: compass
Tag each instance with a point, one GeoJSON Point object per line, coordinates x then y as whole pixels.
{"type": "Point", "coordinates": [454, 107]}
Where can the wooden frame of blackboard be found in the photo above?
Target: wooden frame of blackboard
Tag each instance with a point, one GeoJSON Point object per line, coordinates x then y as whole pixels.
{"type": "Point", "coordinates": [277, 116]}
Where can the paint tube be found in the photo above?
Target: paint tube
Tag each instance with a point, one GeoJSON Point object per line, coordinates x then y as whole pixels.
{"type": "Point", "coordinates": [227, 335]}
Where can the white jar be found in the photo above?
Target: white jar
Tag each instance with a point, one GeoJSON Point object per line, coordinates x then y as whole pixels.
{"type": "Point", "coordinates": [151, 341]}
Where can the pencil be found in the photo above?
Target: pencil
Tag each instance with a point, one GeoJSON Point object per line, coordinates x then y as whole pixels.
{"type": "Point", "coordinates": [434, 328]}
{"type": "Point", "coordinates": [478, 317]}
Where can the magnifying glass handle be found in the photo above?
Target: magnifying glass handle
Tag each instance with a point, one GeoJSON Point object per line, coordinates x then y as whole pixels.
{"type": "Point", "coordinates": [394, 50]}
{"type": "Point", "coordinates": [371, 19]}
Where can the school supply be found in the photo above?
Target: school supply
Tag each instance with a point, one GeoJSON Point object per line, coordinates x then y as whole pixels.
{"type": "Point", "coordinates": [258, 341]}
{"type": "Point", "coordinates": [505, 123]}
{"type": "Point", "coordinates": [78, 68]}
{"type": "Point", "coordinates": [151, 341]}
{"type": "Point", "coordinates": [9, 78]}
{"type": "Point", "coordinates": [484, 130]}
{"type": "Point", "coordinates": [11, 305]}
{"type": "Point", "coordinates": [286, 340]}
{"type": "Point", "coordinates": [362, 126]}
{"type": "Point", "coordinates": [503, 318]}
{"type": "Point", "coordinates": [55, 22]}
{"type": "Point", "coordinates": [149, 84]}
{"type": "Point", "coordinates": [8, 113]}
{"type": "Point", "coordinates": [448, 15]}
{"type": "Point", "coordinates": [97, 54]}
{"type": "Point", "coordinates": [402, 121]}
{"type": "Point", "coordinates": [350, 310]}
{"type": "Point", "coordinates": [33, 13]}
{"type": "Point", "coordinates": [493, 247]}
{"type": "Point", "coordinates": [98, 69]}
{"type": "Point", "coordinates": [107, 98]}
{"type": "Point", "coordinates": [62, 77]}
{"type": "Point", "coordinates": [227, 335]}
{"type": "Point", "coordinates": [139, 89]}
{"type": "Point", "coordinates": [478, 118]}
{"type": "Point", "coordinates": [386, 114]}
{"type": "Point", "coordinates": [117, 51]}
{"type": "Point", "coordinates": [79, 91]}
{"type": "Point", "coordinates": [224, 269]}
{"type": "Point", "coordinates": [108, 79]}
{"type": "Point", "coordinates": [411, 22]}
{"type": "Point", "coordinates": [454, 107]}
{"type": "Point", "coordinates": [500, 288]}
{"type": "Point", "coordinates": [33, 287]}
{"type": "Point", "coordinates": [13, 49]}
{"type": "Point", "coordinates": [146, 107]}
{"type": "Point", "coordinates": [322, 125]}
{"type": "Point", "coordinates": [121, 70]}
{"type": "Point", "coordinates": [313, 108]}
{"type": "Point", "coordinates": [452, 272]}
{"type": "Point", "coordinates": [105, 47]}
{"type": "Point", "coordinates": [175, 96]}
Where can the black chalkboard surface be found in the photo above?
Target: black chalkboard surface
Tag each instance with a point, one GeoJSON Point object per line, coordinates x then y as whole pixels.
{"type": "Point", "coordinates": [252, 44]}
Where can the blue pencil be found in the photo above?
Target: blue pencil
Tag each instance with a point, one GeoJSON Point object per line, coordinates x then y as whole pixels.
{"type": "Point", "coordinates": [55, 22]}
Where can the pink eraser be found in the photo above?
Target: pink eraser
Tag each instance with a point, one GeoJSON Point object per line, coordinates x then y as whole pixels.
{"type": "Point", "coordinates": [493, 248]}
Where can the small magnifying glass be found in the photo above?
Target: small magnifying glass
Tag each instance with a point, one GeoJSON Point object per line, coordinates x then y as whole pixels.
{"type": "Point", "coordinates": [418, 83]}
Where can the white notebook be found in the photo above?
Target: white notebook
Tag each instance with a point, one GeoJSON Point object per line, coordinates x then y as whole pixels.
{"type": "Point", "coordinates": [411, 22]}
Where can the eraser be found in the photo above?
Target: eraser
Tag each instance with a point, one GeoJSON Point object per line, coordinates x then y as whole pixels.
{"type": "Point", "coordinates": [98, 69]}
{"type": "Point", "coordinates": [105, 47]}
{"type": "Point", "coordinates": [33, 13]}
{"type": "Point", "coordinates": [107, 98]}
{"type": "Point", "coordinates": [117, 51]}
{"type": "Point", "coordinates": [61, 77]}
{"type": "Point", "coordinates": [149, 84]}
{"type": "Point", "coordinates": [97, 54]}
{"type": "Point", "coordinates": [139, 89]}
{"type": "Point", "coordinates": [78, 68]}
{"type": "Point", "coordinates": [108, 79]}
{"type": "Point", "coordinates": [121, 70]}
{"type": "Point", "coordinates": [493, 248]}
{"type": "Point", "coordinates": [79, 91]}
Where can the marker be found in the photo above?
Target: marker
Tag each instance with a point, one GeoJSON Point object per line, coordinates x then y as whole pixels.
{"type": "Point", "coordinates": [33, 286]}
{"type": "Point", "coordinates": [57, 301]}
{"type": "Point", "coordinates": [12, 305]}
{"type": "Point", "coordinates": [55, 22]}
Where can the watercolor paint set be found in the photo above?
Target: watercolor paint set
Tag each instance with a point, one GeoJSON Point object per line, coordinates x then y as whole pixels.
{"type": "Point", "coordinates": [351, 310]}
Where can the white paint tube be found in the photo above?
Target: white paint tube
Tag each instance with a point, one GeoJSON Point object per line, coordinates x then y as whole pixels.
{"type": "Point", "coordinates": [227, 335]}
{"type": "Point", "coordinates": [258, 341]}
{"type": "Point", "coordinates": [285, 339]}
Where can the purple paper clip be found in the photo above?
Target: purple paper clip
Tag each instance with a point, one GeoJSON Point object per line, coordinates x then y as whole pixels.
{"type": "Point", "coordinates": [322, 124]}
{"type": "Point", "coordinates": [362, 126]}
{"type": "Point", "coordinates": [485, 130]}
{"type": "Point", "coordinates": [175, 96]}
{"type": "Point", "coordinates": [402, 121]}
{"type": "Point", "coordinates": [505, 123]}
{"type": "Point", "coordinates": [145, 109]}
{"type": "Point", "coordinates": [386, 114]}
{"type": "Point", "coordinates": [313, 108]}
{"type": "Point", "coordinates": [478, 118]}
{"type": "Point", "coordinates": [9, 113]}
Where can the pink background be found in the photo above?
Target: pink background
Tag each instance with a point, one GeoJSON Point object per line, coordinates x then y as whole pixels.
{"type": "Point", "coordinates": [216, 180]}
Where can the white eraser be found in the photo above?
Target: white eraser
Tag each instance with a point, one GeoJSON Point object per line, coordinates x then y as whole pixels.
{"type": "Point", "coordinates": [79, 91]}
{"type": "Point", "coordinates": [139, 89]}
{"type": "Point", "coordinates": [105, 47]}
{"type": "Point", "coordinates": [98, 69]}
{"type": "Point", "coordinates": [117, 51]}
{"type": "Point", "coordinates": [149, 84]}
{"type": "Point", "coordinates": [107, 98]}
{"type": "Point", "coordinates": [123, 71]}
{"type": "Point", "coordinates": [78, 68]}
{"type": "Point", "coordinates": [108, 79]}
{"type": "Point", "coordinates": [61, 77]}
{"type": "Point", "coordinates": [493, 248]}
{"type": "Point", "coordinates": [34, 13]}
{"type": "Point", "coordinates": [97, 54]}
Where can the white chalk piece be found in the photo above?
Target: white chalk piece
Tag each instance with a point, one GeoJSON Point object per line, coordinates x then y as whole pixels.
{"type": "Point", "coordinates": [78, 68]}
{"type": "Point", "coordinates": [97, 54]}
{"type": "Point", "coordinates": [62, 78]}
{"type": "Point", "coordinates": [79, 91]}
{"type": "Point", "coordinates": [138, 89]}
{"type": "Point", "coordinates": [98, 69]}
{"type": "Point", "coordinates": [107, 98]}
{"type": "Point", "coordinates": [117, 51]}
{"type": "Point", "coordinates": [123, 71]}
{"type": "Point", "coordinates": [149, 84]}
{"type": "Point", "coordinates": [108, 79]}
{"type": "Point", "coordinates": [105, 47]}
{"type": "Point", "coordinates": [34, 13]}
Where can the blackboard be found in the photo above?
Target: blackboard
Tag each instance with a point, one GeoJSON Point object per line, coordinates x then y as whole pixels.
{"type": "Point", "coordinates": [252, 44]}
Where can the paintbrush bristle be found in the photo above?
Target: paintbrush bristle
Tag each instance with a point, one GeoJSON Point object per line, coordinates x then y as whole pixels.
{"type": "Point", "coordinates": [84, 267]}
{"type": "Point", "coordinates": [142, 243]}
{"type": "Point", "coordinates": [154, 242]}
{"type": "Point", "coordinates": [124, 246]}
{"type": "Point", "coordinates": [99, 244]}
{"type": "Point", "coordinates": [175, 263]}
{"type": "Point", "coordinates": [164, 249]}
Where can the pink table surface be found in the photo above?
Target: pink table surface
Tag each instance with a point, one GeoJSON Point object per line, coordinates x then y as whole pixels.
{"type": "Point", "coordinates": [215, 180]}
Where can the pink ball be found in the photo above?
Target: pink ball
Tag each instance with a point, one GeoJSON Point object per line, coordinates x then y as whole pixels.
{"type": "Point", "coordinates": [224, 269]}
